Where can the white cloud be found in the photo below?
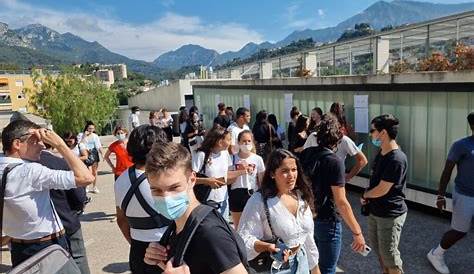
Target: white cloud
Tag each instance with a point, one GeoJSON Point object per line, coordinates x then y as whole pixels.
{"type": "Point", "coordinates": [294, 19]}
{"type": "Point", "coordinates": [167, 3]}
{"type": "Point", "coordinates": [138, 41]}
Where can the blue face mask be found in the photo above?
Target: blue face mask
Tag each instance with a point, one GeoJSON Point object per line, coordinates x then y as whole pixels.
{"type": "Point", "coordinates": [376, 142]}
{"type": "Point", "coordinates": [172, 207]}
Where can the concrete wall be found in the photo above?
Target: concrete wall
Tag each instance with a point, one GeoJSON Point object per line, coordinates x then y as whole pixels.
{"type": "Point", "coordinates": [432, 109]}
{"type": "Point", "coordinates": [170, 97]}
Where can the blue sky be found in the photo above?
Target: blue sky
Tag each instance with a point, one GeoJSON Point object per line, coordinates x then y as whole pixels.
{"type": "Point", "coordinates": [144, 29]}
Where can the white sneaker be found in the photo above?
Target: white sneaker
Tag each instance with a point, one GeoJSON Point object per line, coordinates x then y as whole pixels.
{"type": "Point", "coordinates": [437, 261]}
{"type": "Point", "coordinates": [95, 190]}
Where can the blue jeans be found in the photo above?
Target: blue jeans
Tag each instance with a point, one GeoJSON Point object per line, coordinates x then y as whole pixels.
{"type": "Point", "coordinates": [328, 238]}
{"type": "Point", "coordinates": [298, 265]}
{"type": "Point", "coordinates": [224, 209]}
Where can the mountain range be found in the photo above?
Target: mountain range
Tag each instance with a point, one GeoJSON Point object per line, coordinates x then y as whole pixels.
{"type": "Point", "coordinates": [38, 45]}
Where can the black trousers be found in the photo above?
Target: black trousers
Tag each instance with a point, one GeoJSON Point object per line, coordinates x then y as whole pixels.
{"type": "Point", "coordinates": [137, 254]}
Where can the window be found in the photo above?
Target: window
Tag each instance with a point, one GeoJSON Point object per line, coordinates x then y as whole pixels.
{"type": "Point", "coordinates": [3, 83]}
{"type": "Point", "coordinates": [19, 83]}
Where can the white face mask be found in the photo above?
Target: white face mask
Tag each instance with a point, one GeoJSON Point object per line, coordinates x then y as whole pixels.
{"type": "Point", "coordinates": [121, 137]}
{"type": "Point", "coordinates": [137, 113]}
{"type": "Point", "coordinates": [246, 148]}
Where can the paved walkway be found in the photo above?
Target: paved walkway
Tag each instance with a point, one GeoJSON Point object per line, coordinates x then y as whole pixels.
{"type": "Point", "coordinates": [108, 251]}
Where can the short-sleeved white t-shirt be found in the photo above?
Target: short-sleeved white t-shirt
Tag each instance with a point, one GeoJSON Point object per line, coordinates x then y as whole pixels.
{"type": "Point", "coordinates": [217, 167]}
{"type": "Point", "coordinates": [249, 181]}
{"type": "Point", "coordinates": [344, 148]}
{"type": "Point", "coordinates": [91, 141]}
{"type": "Point", "coordinates": [134, 209]}
{"type": "Point", "coordinates": [235, 130]}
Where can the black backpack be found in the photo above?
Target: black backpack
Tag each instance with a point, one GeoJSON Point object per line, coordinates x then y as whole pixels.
{"type": "Point", "coordinates": [311, 160]}
{"type": "Point", "coordinates": [193, 222]}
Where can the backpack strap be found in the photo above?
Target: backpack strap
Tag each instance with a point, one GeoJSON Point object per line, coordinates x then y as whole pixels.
{"type": "Point", "coordinates": [155, 220]}
{"type": "Point", "coordinates": [195, 219]}
{"type": "Point", "coordinates": [7, 170]}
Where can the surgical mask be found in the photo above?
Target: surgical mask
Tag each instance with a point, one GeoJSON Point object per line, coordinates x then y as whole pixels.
{"type": "Point", "coordinates": [376, 142]}
{"type": "Point", "coordinates": [172, 207]}
{"type": "Point", "coordinates": [137, 113]}
{"type": "Point", "coordinates": [246, 148]}
{"type": "Point", "coordinates": [121, 137]}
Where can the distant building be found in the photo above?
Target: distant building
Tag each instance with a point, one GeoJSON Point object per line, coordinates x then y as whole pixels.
{"type": "Point", "coordinates": [120, 70]}
{"type": "Point", "coordinates": [13, 95]}
{"type": "Point", "coordinates": [106, 76]}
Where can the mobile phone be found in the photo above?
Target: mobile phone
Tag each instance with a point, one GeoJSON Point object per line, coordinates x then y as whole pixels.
{"type": "Point", "coordinates": [278, 256]}
{"type": "Point", "coordinates": [366, 251]}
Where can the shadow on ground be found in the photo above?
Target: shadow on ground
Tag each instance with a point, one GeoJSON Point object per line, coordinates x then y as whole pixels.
{"type": "Point", "coordinates": [116, 268]}
{"type": "Point", "coordinates": [4, 268]}
{"type": "Point", "coordinates": [104, 172]}
{"type": "Point", "coordinates": [96, 216]}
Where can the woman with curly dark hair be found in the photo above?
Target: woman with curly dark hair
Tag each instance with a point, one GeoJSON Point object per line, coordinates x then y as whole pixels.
{"type": "Point", "coordinates": [327, 174]}
{"type": "Point", "coordinates": [282, 208]}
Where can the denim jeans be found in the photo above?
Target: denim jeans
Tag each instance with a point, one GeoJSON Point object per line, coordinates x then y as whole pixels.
{"type": "Point", "coordinates": [20, 252]}
{"type": "Point", "coordinates": [328, 238]}
{"type": "Point", "coordinates": [224, 209]}
{"type": "Point", "coordinates": [298, 265]}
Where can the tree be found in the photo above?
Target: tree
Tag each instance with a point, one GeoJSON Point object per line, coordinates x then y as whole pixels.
{"type": "Point", "coordinates": [360, 30]}
{"type": "Point", "coordinates": [69, 100]}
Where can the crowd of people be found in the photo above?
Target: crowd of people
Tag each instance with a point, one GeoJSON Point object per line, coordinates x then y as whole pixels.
{"type": "Point", "coordinates": [227, 199]}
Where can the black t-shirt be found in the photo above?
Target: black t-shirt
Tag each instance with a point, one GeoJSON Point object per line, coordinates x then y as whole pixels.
{"type": "Point", "coordinates": [263, 131]}
{"type": "Point", "coordinates": [392, 168]}
{"type": "Point", "coordinates": [330, 173]}
{"type": "Point", "coordinates": [212, 248]}
{"type": "Point", "coordinates": [222, 120]}
{"type": "Point", "coordinates": [291, 135]}
{"type": "Point", "coordinates": [67, 203]}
